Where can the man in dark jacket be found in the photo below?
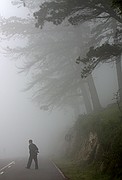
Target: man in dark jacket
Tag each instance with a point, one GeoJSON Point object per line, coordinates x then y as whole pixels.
{"type": "Point", "coordinates": [33, 150]}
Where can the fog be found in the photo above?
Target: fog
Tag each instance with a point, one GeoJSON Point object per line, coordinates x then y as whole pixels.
{"type": "Point", "coordinates": [21, 119]}
{"type": "Point", "coordinates": [103, 75]}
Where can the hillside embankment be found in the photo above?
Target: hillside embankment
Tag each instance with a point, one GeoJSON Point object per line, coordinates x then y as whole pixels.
{"type": "Point", "coordinates": [93, 147]}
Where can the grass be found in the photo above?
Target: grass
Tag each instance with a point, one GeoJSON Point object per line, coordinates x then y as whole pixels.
{"type": "Point", "coordinates": [74, 171]}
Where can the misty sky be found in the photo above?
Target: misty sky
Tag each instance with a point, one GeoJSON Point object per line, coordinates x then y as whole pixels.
{"type": "Point", "coordinates": [21, 120]}
{"type": "Point", "coordinates": [8, 10]}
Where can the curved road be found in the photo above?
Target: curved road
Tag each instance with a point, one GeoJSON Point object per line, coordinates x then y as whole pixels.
{"type": "Point", "coordinates": [15, 170]}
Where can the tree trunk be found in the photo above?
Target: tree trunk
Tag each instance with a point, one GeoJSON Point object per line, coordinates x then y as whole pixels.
{"type": "Point", "coordinates": [119, 76]}
{"type": "Point", "coordinates": [77, 110]}
{"type": "Point", "coordinates": [86, 99]}
{"type": "Point", "coordinates": [93, 93]}
{"type": "Point", "coordinates": [118, 61]}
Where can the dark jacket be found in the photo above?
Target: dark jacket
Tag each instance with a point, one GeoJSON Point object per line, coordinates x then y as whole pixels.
{"type": "Point", "coordinates": [33, 149]}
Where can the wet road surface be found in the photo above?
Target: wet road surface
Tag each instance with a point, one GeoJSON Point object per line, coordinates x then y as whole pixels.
{"type": "Point", "coordinates": [15, 170]}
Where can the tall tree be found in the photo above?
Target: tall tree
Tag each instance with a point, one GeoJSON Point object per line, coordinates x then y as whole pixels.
{"type": "Point", "coordinates": [76, 12]}
{"type": "Point", "coordinates": [106, 48]}
{"type": "Point", "coordinates": [56, 77]}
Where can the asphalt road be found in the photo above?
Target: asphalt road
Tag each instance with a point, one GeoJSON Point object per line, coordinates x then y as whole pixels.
{"type": "Point", "coordinates": [15, 170]}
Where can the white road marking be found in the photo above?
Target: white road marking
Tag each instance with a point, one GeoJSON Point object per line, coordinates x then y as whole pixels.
{"type": "Point", "coordinates": [1, 173]}
{"type": "Point", "coordinates": [58, 170]}
{"type": "Point", "coordinates": [7, 166]}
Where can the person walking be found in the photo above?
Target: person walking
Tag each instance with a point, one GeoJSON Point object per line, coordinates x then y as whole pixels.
{"type": "Point", "coordinates": [33, 150]}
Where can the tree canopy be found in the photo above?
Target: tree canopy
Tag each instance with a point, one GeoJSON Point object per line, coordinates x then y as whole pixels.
{"type": "Point", "coordinates": [75, 12]}
{"type": "Point", "coordinates": [94, 56]}
{"type": "Point", "coordinates": [49, 60]}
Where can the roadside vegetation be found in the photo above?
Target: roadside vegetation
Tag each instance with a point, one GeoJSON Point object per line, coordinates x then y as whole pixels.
{"type": "Point", "coordinates": [106, 162]}
{"type": "Point", "coordinates": [74, 171]}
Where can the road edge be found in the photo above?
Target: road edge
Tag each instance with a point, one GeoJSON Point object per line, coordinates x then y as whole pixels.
{"type": "Point", "coordinates": [59, 170]}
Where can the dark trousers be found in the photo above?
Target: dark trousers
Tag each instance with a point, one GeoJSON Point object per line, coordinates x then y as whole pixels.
{"type": "Point", "coordinates": [32, 157]}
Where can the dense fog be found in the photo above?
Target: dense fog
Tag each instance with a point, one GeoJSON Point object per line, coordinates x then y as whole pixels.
{"type": "Point", "coordinates": [21, 119]}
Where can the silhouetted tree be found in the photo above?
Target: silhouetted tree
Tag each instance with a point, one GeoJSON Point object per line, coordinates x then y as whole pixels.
{"type": "Point", "coordinates": [74, 12]}
{"type": "Point", "coordinates": [56, 77]}
{"type": "Point", "coordinates": [96, 55]}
